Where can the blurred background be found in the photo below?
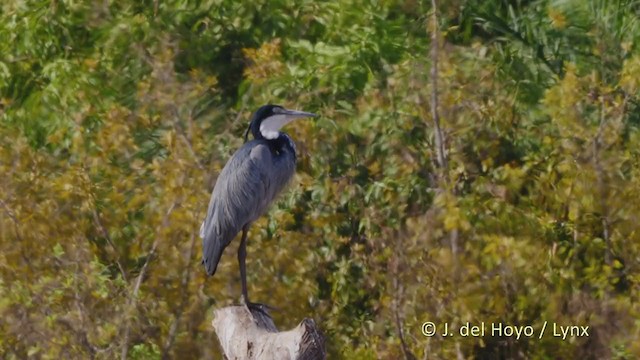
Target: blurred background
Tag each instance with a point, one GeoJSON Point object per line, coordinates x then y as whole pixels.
{"type": "Point", "coordinates": [117, 116]}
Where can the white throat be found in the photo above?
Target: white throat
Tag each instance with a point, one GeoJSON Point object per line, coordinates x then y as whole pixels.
{"type": "Point", "coordinates": [270, 127]}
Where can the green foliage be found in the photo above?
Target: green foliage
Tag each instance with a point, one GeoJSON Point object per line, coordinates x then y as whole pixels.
{"type": "Point", "coordinates": [116, 117]}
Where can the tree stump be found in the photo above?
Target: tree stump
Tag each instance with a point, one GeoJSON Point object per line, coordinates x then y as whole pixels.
{"type": "Point", "coordinates": [251, 334]}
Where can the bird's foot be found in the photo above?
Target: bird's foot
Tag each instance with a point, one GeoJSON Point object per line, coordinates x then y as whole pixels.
{"type": "Point", "coordinates": [264, 308]}
{"type": "Point", "coordinates": [260, 314]}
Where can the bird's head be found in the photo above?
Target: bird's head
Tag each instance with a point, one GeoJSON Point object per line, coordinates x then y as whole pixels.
{"type": "Point", "coordinates": [267, 121]}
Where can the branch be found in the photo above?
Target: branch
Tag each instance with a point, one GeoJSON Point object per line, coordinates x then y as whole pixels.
{"type": "Point", "coordinates": [408, 355]}
{"type": "Point", "coordinates": [186, 275]}
{"type": "Point", "coordinates": [443, 162]}
{"type": "Point", "coordinates": [136, 289]}
{"type": "Point", "coordinates": [13, 218]}
{"type": "Point", "coordinates": [105, 234]}
{"type": "Point", "coordinates": [249, 335]}
{"type": "Point", "coordinates": [440, 151]}
{"type": "Point", "coordinates": [183, 136]}
{"type": "Point", "coordinates": [398, 297]}
{"type": "Point", "coordinates": [98, 221]}
{"type": "Point", "coordinates": [80, 335]}
{"type": "Point", "coordinates": [16, 227]}
{"type": "Point", "coordinates": [602, 186]}
{"type": "Point", "coordinates": [503, 28]}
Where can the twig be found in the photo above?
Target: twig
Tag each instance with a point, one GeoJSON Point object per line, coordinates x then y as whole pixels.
{"type": "Point", "coordinates": [16, 226]}
{"type": "Point", "coordinates": [440, 151]}
{"type": "Point", "coordinates": [82, 332]}
{"type": "Point", "coordinates": [443, 162]}
{"type": "Point", "coordinates": [243, 106]}
{"type": "Point", "coordinates": [538, 50]}
{"type": "Point", "coordinates": [186, 275]}
{"type": "Point", "coordinates": [80, 335]}
{"type": "Point", "coordinates": [13, 218]}
{"type": "Point", "coordinates": [408, 355]}
{"type": "Point", "coordinates": [398, 294]}
{"type": "Point", "coordinates": [191, 151]}
{"type": "Point", "coordinates": [134, 296]}
{"type": "Point", "coordinates": [97, 219]}
{"type": "Point", "coordinates": [602, 186]}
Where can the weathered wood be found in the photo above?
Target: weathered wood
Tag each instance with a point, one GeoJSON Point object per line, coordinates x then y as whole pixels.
{"type": "Point", "coordinates": [251, 334]}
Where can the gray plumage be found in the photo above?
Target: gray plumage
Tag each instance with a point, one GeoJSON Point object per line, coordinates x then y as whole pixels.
{"type": "Point", "coordinates": [248, 184]}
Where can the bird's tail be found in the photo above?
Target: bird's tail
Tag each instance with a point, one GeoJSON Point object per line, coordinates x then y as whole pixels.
{"type": "Point", "coordinates": [212, 253]}
{"type": "Point", "coordinates": [214, 242]}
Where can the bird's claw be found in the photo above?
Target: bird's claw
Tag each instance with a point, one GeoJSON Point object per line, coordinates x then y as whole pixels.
{"type": "Point", "coordinates": [264, 308]}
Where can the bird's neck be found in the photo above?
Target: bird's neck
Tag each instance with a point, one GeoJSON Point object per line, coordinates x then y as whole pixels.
{"type": "Point", "coordinates": [282, 144]}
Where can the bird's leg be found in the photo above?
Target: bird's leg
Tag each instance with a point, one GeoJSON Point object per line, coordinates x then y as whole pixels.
{"type": "Point", "coordinates": [242, 255]}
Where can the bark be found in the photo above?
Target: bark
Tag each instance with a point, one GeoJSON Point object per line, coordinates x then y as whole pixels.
{"type": "Point", "coordinates": [248, 335]}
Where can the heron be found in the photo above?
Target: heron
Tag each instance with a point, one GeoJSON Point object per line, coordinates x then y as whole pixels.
{"type": "Point", "coordinates": [249, 182]}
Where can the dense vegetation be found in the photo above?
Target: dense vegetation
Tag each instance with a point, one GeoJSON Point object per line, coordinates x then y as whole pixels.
{"type": "Point", "coordinates": [116, 117]}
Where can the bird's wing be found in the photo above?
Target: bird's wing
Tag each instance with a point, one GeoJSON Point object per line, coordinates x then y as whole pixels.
{"type": "Point", "coordinates": [239, 197]}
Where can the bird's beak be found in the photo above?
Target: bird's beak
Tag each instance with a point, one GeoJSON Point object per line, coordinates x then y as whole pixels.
{"type": "Point", "coordinates": [297, 114]}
